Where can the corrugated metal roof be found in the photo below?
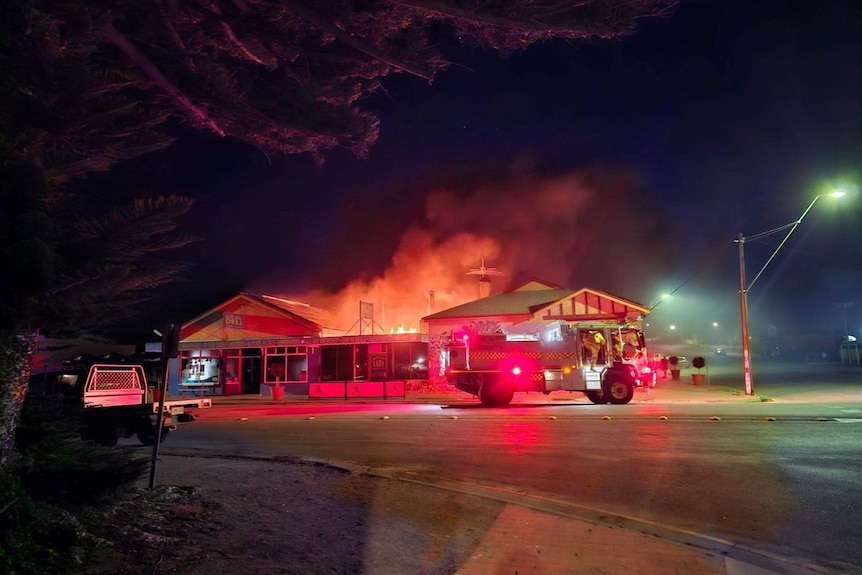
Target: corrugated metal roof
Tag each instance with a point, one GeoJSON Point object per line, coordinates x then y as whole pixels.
{"type": "Point", "coordinates": [315, 315]}
{"type": "Point", "coordinates": [508, 303]}
{"type": "Point", "coordinates": [531, 298]}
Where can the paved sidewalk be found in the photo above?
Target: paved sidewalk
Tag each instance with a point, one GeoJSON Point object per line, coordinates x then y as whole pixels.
{"type": "Point", "coordinates": [528, 542]}
{"type": "Point", "coordinates": [525, 541]}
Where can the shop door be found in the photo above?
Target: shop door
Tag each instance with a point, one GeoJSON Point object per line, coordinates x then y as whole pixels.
{"type": "Point", "coordinates": [251, 371]}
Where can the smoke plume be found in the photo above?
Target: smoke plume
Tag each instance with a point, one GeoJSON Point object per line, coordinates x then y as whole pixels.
{"type": "Point", "coordinates": [579, 229]}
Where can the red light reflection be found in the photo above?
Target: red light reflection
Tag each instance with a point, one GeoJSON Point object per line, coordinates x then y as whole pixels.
{"type": "Point", "coordinates": [520, 437]}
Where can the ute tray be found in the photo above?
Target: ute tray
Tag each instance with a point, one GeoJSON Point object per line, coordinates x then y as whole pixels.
{"type": "Point", "coordinates": [115, 385]}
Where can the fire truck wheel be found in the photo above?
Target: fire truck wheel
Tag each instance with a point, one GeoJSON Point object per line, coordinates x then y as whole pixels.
{"type": "Point", "coordinates": [495, 393]}
{"type": "Point", "coordinates": [507, 392]}
{"type": "Point", "coordinates": [596, 397]}
{"type": "Point", "coordinates": [618, 391]}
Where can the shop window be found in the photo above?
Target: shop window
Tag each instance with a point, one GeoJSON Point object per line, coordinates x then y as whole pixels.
{"type": "Point", "coordinates": [275, 369]}
{"type": "Point", "coordinates": [297, 368]}
{"type": "Point", "coordinates": [284, 364]}
{"type": "Point", "coordinates": [231, 369]}
{"type": "Point", "coordinates": [343, 362]}
{"type": "Point", "coordinates": [200, 370]}
{"type": "Point", "coordinates": [410, 360]}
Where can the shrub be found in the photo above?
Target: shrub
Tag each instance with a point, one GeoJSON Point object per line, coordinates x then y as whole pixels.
{"type": "Point", "coordinates": [698, 362]}
{"type": "Point", "coordinates": [50, 448]}
{"type": "Point", "coordinates": [56, 475]}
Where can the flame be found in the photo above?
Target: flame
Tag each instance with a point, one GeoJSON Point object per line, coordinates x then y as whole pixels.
{"type": "Point", "coordinates": [401, 329]}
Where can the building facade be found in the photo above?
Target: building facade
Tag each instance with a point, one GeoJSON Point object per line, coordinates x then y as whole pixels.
{"type": "Point", "coordinates": [252, 343]}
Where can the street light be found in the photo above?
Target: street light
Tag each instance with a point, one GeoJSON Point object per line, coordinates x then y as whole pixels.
{"type": "Point", "coordinates": [657, 301]}
{"type": "Point", "coordinates": [743, 288]}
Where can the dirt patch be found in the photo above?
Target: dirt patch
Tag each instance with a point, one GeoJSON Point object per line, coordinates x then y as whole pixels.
{"type": "Point", "coordinates": [233, 516]}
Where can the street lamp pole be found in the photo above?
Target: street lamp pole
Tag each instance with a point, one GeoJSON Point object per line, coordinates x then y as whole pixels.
{"type": "Point", "coordinates": [743, 288]}
{"type": "Point", "coordinates": [743, 308]}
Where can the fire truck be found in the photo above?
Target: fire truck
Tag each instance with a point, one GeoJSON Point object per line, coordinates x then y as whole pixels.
{"type": "Point", "coordinates": [605, 362]}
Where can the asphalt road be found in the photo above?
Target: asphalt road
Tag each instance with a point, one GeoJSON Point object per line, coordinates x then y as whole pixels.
{"type": "Point", "coordinates": [778, 476]}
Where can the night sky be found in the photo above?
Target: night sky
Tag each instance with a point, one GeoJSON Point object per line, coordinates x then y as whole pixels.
{"type": "Point", "coordinates": [628, 166]}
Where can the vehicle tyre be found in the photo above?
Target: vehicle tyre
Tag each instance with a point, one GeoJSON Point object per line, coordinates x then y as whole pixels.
{"type": "Point", "coordinates": [147, 434]}
{"type": "Point", "coordinates": [495, 393]}
{"type": "Point", "coordinates": [507, 392]}
{"type": "Point", "coordinates": [476, 382]}
{"type": "Point", "coordinates": [618, 391]}
{"type": "Point", "coordinates": [107, 435]}
{"type": "Point", "coordinates": [596, 396]}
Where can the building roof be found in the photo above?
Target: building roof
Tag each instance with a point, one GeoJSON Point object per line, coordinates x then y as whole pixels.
{"type": "Point", "coordinates": [524, 300]}
{"type": "Point", "coordinates": [318, 316]}
{"type": "Point", "coordinates": [534, 296]}
{"type": "Point", "coordinates": [210, 324]}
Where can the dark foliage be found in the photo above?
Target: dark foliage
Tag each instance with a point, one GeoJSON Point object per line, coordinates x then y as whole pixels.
{"type": "Point", "coordinates": [60, 468]}
{"type": "Point", "coordinates": [286, 76]}
{"type": "Point", "coordinates": [31, 540]}
{"type": "Point", "coordinates": [66, 272]}
{"type": "Point", "coordinates": [58, 477]}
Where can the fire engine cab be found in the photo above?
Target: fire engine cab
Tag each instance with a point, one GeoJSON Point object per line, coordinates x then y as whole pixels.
{"type": "Point", "coordinates": [606, 362]}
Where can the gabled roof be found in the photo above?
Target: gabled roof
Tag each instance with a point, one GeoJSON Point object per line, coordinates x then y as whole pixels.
{"type": "Point", "coordinates": [530, 296]}
{"type": "Point", "coordinates": [590, 304]}
{"type": "Point", "coordinates": [313, 319]}
{"type": "Point", "coordinates": [536, 297]}
{"type": "Point", "coordinates": [584, 294]}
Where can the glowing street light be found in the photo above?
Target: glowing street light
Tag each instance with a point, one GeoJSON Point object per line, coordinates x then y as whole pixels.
{"type": "Point", "coordinates": [743, 288]}
{"type": "Point", "coordinates": [657, 301]}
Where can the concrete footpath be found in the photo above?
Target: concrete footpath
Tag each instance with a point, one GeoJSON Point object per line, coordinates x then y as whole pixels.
{"type": "Point", "coordinates": [526, 540]}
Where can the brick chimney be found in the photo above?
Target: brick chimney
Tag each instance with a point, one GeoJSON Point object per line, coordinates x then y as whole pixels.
{"type": "Point", "coordinates": [430, 301]}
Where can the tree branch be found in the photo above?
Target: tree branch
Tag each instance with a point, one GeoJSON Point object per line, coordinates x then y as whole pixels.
{"type": "Point", "coordinates": [245, 49]}
{"type": "Point", "coordinates": [353, 41]}
{"type": "Point", "coordinates": [453, 12]}
{"type": "Point", "coordinates": [119, 40]}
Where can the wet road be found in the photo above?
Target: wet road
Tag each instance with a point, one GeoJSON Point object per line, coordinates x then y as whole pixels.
{"type": "Point", "coordinates": [781, 477]}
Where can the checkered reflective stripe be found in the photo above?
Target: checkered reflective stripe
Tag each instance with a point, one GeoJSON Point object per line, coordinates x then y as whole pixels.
{"type": "Point", "coordinates": [500, 355]}
{"type": "Point", "coordinates": [558, 355]}
{"type": "Point", "coordinates": [489, 355]}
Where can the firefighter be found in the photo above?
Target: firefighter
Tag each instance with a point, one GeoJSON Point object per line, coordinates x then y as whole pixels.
{"type": "Point", "coordinates": [616, 346]}
{"type": "Point", "coordinates": [594, 342]}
